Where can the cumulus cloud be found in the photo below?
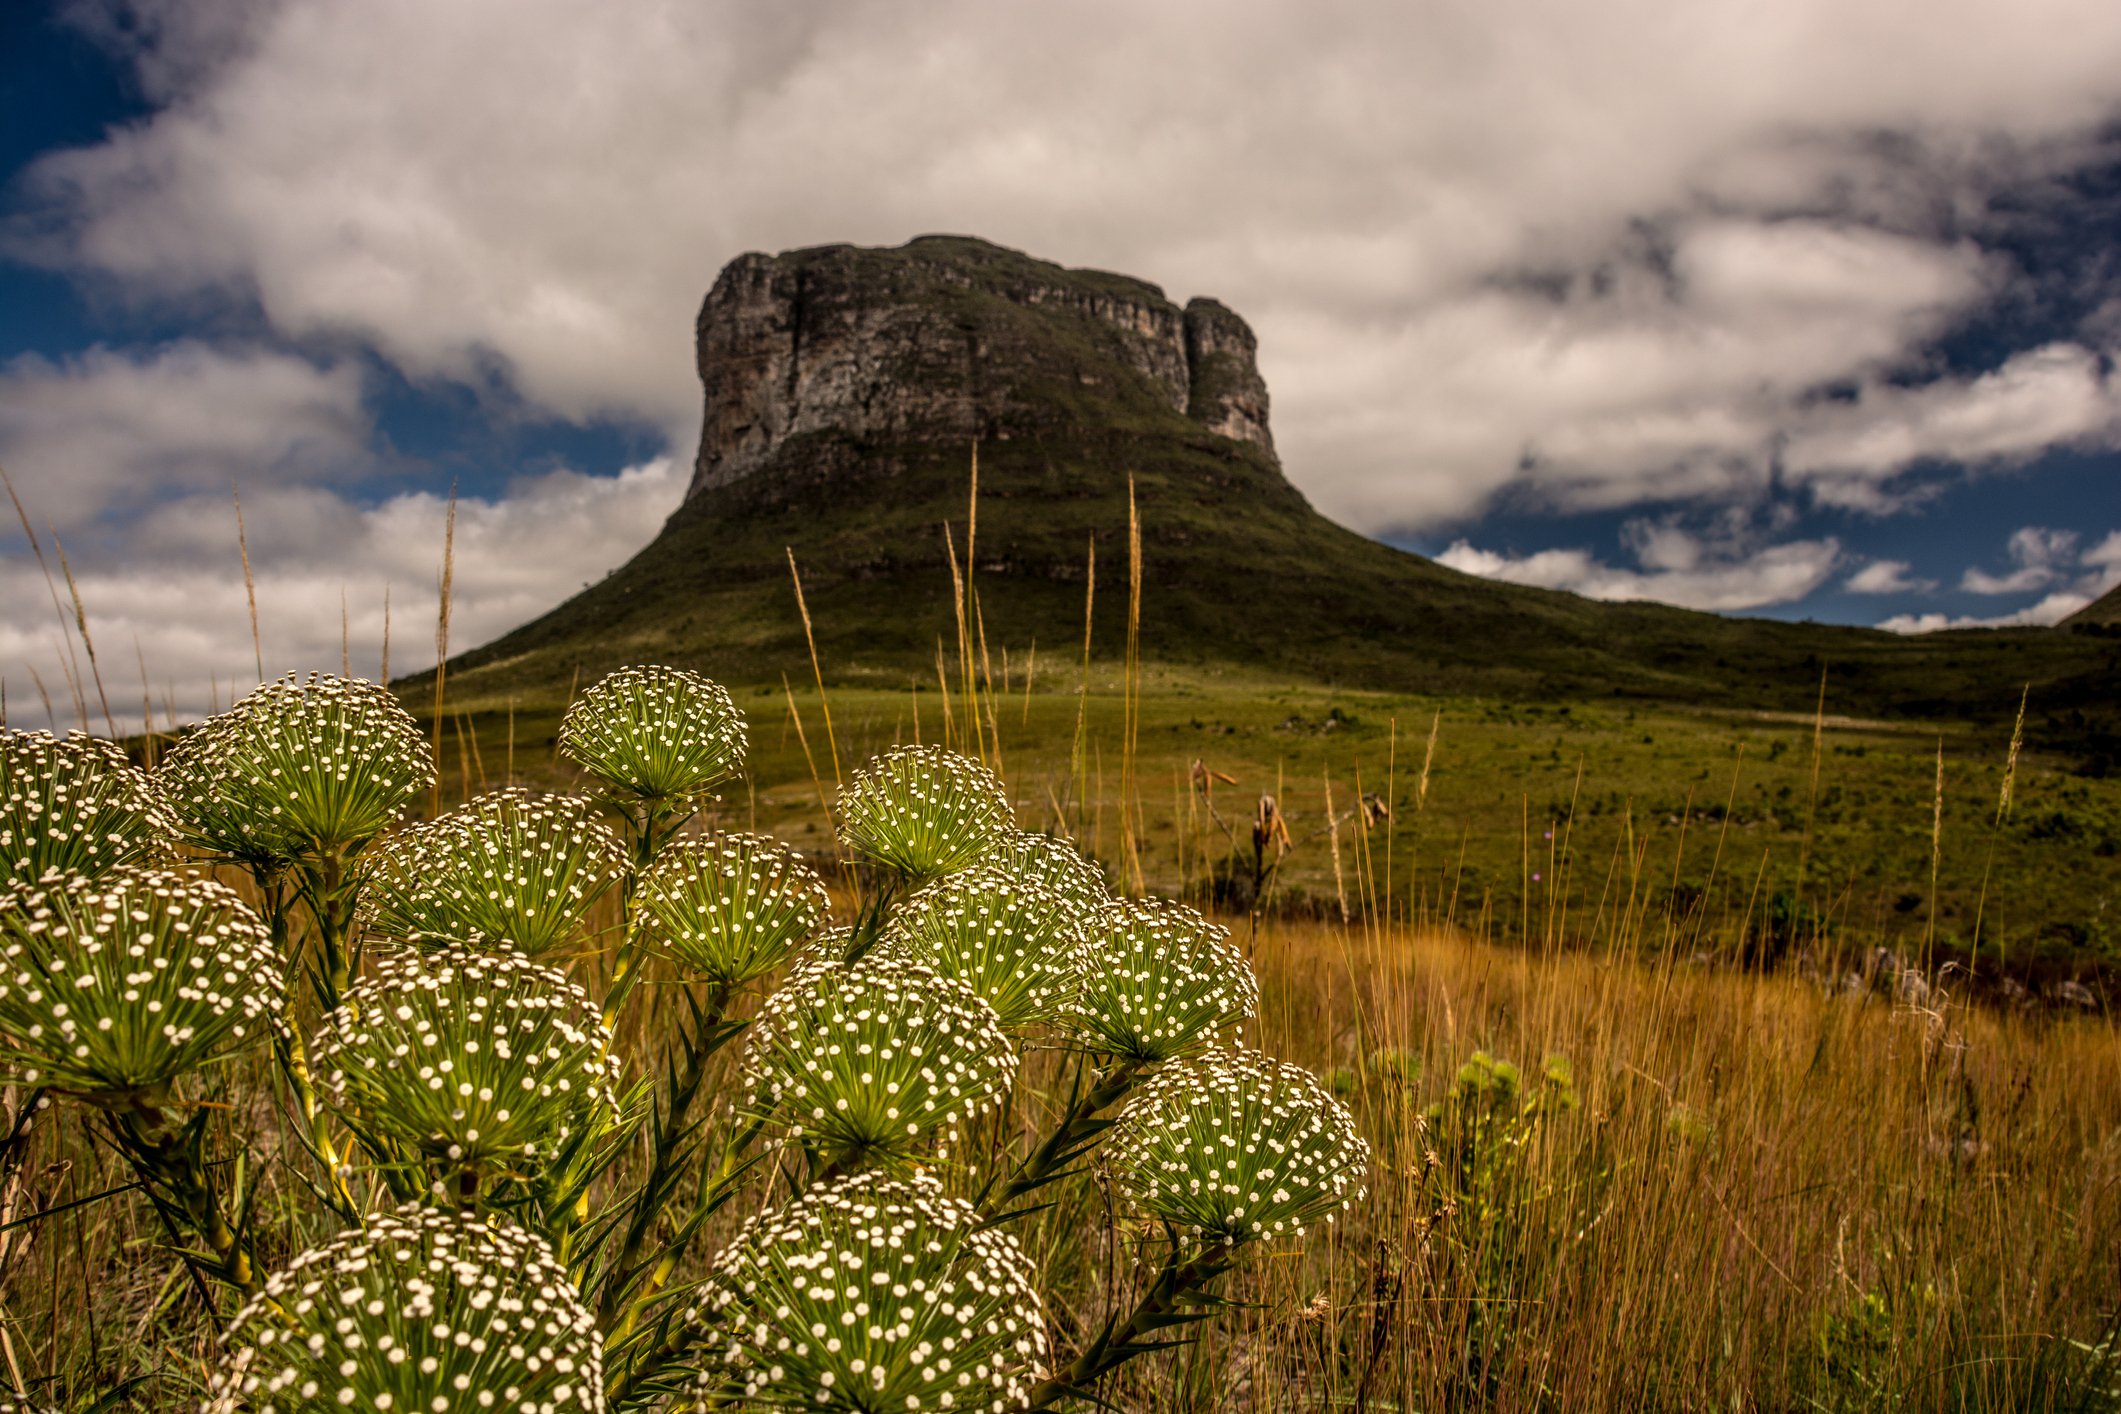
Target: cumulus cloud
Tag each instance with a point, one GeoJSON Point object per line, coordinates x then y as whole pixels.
{"type": "Point", "coordinates": [1674, 568]}
{"type": "Point", "coordinates": [107, 432]}
{"type": "Point", "coordinates": [2043, 559]}
{"type": "Point", "coordinates": [1607, 253]}
{"type": "Point", "coordinates": [176, 611]}
{"type": "Point", "coordinates": [1887, 577]}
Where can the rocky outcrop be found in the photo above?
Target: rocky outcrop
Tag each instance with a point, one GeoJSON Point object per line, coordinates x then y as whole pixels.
{"type": "Point", "coordinates": [949, 339]}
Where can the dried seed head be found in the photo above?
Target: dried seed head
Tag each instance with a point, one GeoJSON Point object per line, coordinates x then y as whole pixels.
{"type": "Point", "coordinates": [504, 865]}
{"type": "Point", "coordinates": [732, 907]}
{"type": "Point", "coordinates": [75, 805]}
{"type": "Point", "coordinates": [300, 766]}
{"type": "Point", "coordinates": [1162, 981]}
{"type": "Point", "coordinates": [881, 1058]}
{"type": "Point", "coordinates": [418, 1311]}
{"type": "Point", "coordinates": [1234, 1146]}
{"type": "Point", "coordinates": [1018, 944]}
{"type": "Point", "coordinates": [924, 812]}
{"type": "Point", "coordinates": [874, 1293]}
{"type": "Point", "coordinates": [655, 734]}
{"type": "Point", "coordinates": [483, 1062]}
{"type": "Point", "coordinates": [116, 986]}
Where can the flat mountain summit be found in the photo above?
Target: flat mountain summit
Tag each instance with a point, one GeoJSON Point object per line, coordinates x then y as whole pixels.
{"type": "Point", "coordinates": [846, 388]}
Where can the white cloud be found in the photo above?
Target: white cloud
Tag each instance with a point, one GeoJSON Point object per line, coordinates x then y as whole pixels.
{"type": "Point", "coordinates": [181, 598]}
{"type": "Point", "coordinates": [1887, 577]}
{"type": "Point", "coordinates": [1774, 574]}
{"type": "Point", "coordinates": [106, 433]}
{"type": "Point", "coordinates": [546, 187]}
{"type": "Point", "coordinates": [2045, 559]}
{"type": "Point", "coordinates": [2039, 555]}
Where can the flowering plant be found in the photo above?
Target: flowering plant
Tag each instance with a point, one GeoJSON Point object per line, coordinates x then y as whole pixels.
{"type": "Point", "coordinates": [870, 1293]}
{"type": "Point", "coordinates": [415, 1310]}
{"type": "Point", "coordinates": [1019, 945]}
{"type": "Point", "coordinates": [730, 908]}
{"type": "Point", "coordinates": [922, 812]}
{"type": "Point", "coordinates": [75, 805]}
{"type": "Point", "coordinates": [662, 736]}
{"type": "Point", "coordinates": [1166, 982]}
{"type": "Point", "coordinates": [506, 864]}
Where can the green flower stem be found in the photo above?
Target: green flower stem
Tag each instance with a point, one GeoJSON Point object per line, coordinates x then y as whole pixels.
{"type": "Point", "coordinates": [1177, 1296]}
{"type": "Point", "coordinates": [650, 825]}
{"type": "Point", "coordinates": [167, 1156]}
{"type": "Point", "coordinates": [1078, 1129]}
{"type": "Point", "coordinates": [332, 892]}
{"type": "Point", "coordinates": [671, 1131]}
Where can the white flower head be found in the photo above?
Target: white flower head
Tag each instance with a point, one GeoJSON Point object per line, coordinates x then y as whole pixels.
{"type": "Point", "coordinates": [655, 734]}
{"type": "Point", "coordinates": [1234, 1146]}
{"type": "Point", "coordinates": [1018, 944]}
{"type": "Point", "coordinates": [1056, 864]}
{"type": "Point", "coordinates": [874, 1293]}
{"type": "Point", "coordinates": [118, 985]}
{"type": "Point", "coordinates": [484, 1062]}
{"type": "Point", "coordinates": [75, 805]}
{"type": "Point", "coordinates": [300, 765]}
{"type": "Point", "coordinates": [507, 864]}
{"type": "Point", "coordinates": [418, 1311]}
{"type": "Point", "coordinates": [879, 1058]}
{"type": "Point", "coordinates": [731, 907]}
{"type": "Point", "coordinates": [924, 812]}
{"type": "Point", "coordinates": [1162, 981]}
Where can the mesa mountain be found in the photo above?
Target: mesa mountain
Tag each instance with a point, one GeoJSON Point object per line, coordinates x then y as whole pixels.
{"type": "Point", "coordinates": [846, 389]}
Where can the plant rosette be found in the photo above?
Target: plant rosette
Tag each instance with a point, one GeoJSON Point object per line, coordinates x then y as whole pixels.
{"type": "Point", "coordinates": [486, 1064]}
{"type": "Point", "coordinates": [873, 1293]}
{"type": "Point", "coordinates": [506, 864]}
{"type": "Point", "coordinates": [923, 812]}
{"type": "Point", "coordinates": [730, 908]}
{"type": "Point", "coordinates": [1055, 864]}
{"type": "Point", "coordinates": [419, 1310]}
{"type": "Point", "coordinates": [654, 735]}
{"type": "Point", "coordinates": [1019, 945]}
{"type": "Point", "coordinates": [114, 988]}
{"type": "Point", "coordinates": [880, 1059]}
{"type": "Point", "coordinates": [301, 766]}
{"type": "Point", "coordinates": [1162, 982]}
{"type": "Point", "coordinates": [75, 805]}
{"type": "Point", "coordinates": [1234, 1147]}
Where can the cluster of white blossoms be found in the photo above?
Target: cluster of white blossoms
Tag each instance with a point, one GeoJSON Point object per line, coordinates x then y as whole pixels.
{"type": "Point", "coordinates": [876, 1059]}
{"type": "Point", "coordinates": [654, 734]}
{"type": "Point", "coordinates": [923, 812]}
{"type": "Point", "coordinates": [506, 864]}
{"type": "Point", "coordinates": [483, 1061]}
{"type": "Point", "coordinates": [75, 805]}
{"type": "Point", "coordinates": [874, 1293]}
{"type": "Point", "coordinates": [116, 986]}
{"type": "Point", "coordinates": [302, 765]}
{"type": "Point", "coordinates": [731, 907]}
{"type": "Point", "coordinates": [1167, 982]}
{"type": "Point", "coordinates": [1019, 945]}
{"type": "Point", "coordinates": [1234, 1146]}
{"type": "Point", "coordinates": [421, 1311]}
{"type": "Point", "coordinates": [1054, 864]}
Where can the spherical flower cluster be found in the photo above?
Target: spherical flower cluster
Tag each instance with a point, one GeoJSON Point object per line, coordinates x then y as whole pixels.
{"type": "Point", "coordinates": [111, 987]}
{"type": "Point", "coordinates": [504, 865]}
{"type": "Point", "coordinates": [1234, 1146]}
{"type": "Point", "coordinates": [732, 907]}
{"type": "Point", "coordinates": [1019, 945]}
{"type": "Point", "coordinates": [876, 1059]}
{"type": "Point", "coordinates": [481, 1061]}
{"type": "Point", "coordinates": [1163, 981]}
{"type": "Point", "coordinates": [1034, 858]}
{"type": "Point", "coordinates": [75, 805]}
{"type": "Point", "coordinates": [418, 1311]}
{"type": "Point", "coordinates": [923, 811]}
{"type": "Point", "coordinates": [874, 1293]}
{"type": "Point", "coordinates": [301, 765]}
{"type": "Point", "coordinates": [661, 735]}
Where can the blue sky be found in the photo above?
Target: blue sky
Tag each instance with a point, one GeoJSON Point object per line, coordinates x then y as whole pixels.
{"type": "Point", "coordinates": [1808, 311]}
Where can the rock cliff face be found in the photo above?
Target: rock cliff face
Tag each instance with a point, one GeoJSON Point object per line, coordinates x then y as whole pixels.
{"type": "Point", "coordinates": [951, 340]}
